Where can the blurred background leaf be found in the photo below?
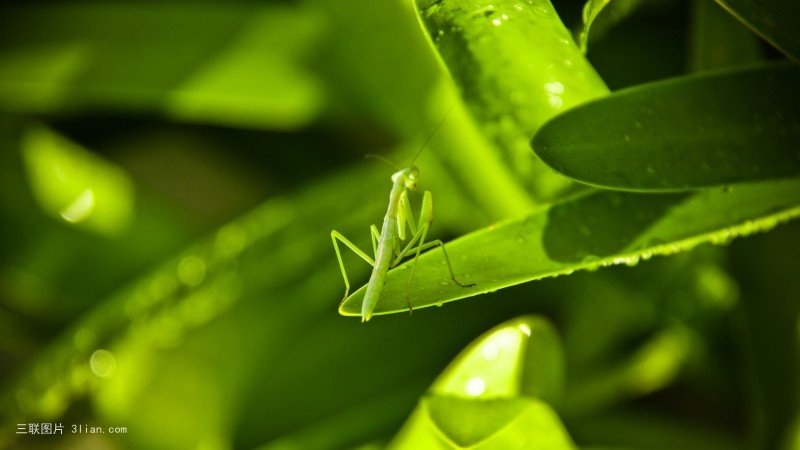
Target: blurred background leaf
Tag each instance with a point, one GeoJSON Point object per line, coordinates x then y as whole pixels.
{"type": "Point", "coordinates": [774, 20]}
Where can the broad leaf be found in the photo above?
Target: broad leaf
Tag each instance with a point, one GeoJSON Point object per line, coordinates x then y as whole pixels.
{"type": "Point", "coordinates": [684, 133]}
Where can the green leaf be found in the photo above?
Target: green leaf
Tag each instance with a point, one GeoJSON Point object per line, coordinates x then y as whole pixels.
{"type": "Point", "coordinates": [255, 256]}
{"type": "Point", "coordinates": [651, 367]}
{"type": "Point", "coordinates": [76, 186]}
{"type": "Point", "coordinates": [497, 424]}
{"type": "Point", "coordinates": [491, 395]}
{"type": "Point", "coordinates": [444, 422]}
{"type": "Point", "coordinates": [770, 310]}
{"type": "Point", "coordinates": [635, 428]}
{"type": "Point", "coordinates": [516, 66]}
{"type": "Point", "coordinates": [684, 133]}
{"type": "Point", "coordinates": [774, 20]}
{"type": "Point", "coordinates": [595, 229]}
{"type": "Point", "coordinates": [599, 15]}
{"type": "Point", "coordinates": [467, 422]}
{"type": "Point", "coordinates": [519, 357]}
{"type": "Point", "coordinates": [718, 40]}
{"type": "Point", "coordinates": [233, 64]}
{"type": "Point", "coordinates": [511, 60]}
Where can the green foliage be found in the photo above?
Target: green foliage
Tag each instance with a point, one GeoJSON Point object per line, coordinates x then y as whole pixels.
{"type": "Point", "coordinates": [697, 132]}
{"type": "Point", "coordinates": [170, 173]}
{"type": "Point", "coordinates": [774, 21]}
{"type": "Point", "coordinates": [491, 395]}
{"type": "Point", "coordinates": [587, 231]}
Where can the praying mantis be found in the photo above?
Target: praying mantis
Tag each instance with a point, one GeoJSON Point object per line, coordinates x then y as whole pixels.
{"type": "Point", "coordinates": [388, 244]}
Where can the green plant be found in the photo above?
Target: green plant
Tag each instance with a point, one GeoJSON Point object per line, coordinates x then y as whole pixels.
{"type": "Point", "coordinates": [146, 283]}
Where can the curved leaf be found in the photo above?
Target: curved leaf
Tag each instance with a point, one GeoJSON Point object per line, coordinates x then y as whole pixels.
{"type": "Point", "coordinates": [595, 229]}
{"type": "Point", "coordinates": [684, 133]}
{"type": "Point", "coordinates": [516, 66]}
{"type": "Point", "coordinates": [467, 422]}
{"type": "Point", "coordinates": [489, 397]}
{"type": "Point", "coordinates": [775, 20]}
{"type": "Point", "coordinates": [599, 15]}
{"type": "Point", "coordinates": [444, 422]}
{"type": "Point", "coordinates": [75, 185]}
{"type": "Point", "coordinates": [497, 49]}
{"type": "Point", "coordinates": [497, 424]}
{"type": "Point", "coordinates": [520, 357]}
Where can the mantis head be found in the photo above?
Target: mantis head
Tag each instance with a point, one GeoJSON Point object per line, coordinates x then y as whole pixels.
{"type": "Point", "coordinates": [407, 177]}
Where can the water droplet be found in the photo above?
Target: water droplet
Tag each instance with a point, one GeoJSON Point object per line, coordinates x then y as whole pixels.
{"type": "Point", "coordinates": [103, 363]}
{"type": "Point", "coordinates": [489, 351]}
{"type": "Point", "coordinates": [722, 237]}
{"type": "Point", "coordinates": [554, 87]}
{"type": "Point", "coordinates": [475, 386]}
{"type": "Point", "coordinates": [555, 101]}
{"type": "Point", "coordinates": [632, 261]}
{"type": "Point", "coordinates": [231, 239]}
{"type": "Point", "coordinates": [590, 259]}
{"type": "Point", "coordinates": [191, 271]}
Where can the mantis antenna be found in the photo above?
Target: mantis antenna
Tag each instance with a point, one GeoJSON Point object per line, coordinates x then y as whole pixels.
{"type": "Point", "coordinates": [381, 158]}
{"type": "Point", "coordinates": [422, 147]}
{"type": "Point", "coordinates": [432, 134]}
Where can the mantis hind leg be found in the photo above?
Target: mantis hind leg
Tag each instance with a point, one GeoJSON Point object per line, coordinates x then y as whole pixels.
{"type": "Point", "coordinates": [440, 244]}
{"type": "Point", "coordinates": [420, 231]}
{"type": "Point", "coordinates": [427, 245]}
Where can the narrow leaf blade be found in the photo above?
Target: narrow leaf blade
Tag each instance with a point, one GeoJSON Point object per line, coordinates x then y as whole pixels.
{"type": "Point", "coordinates": [599, 228]}
{"type": "Point", "coordinates": [775, 20]}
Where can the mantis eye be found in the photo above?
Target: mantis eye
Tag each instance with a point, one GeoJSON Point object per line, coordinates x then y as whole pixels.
{"type": "Point", "coordinates": [411, 181]}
